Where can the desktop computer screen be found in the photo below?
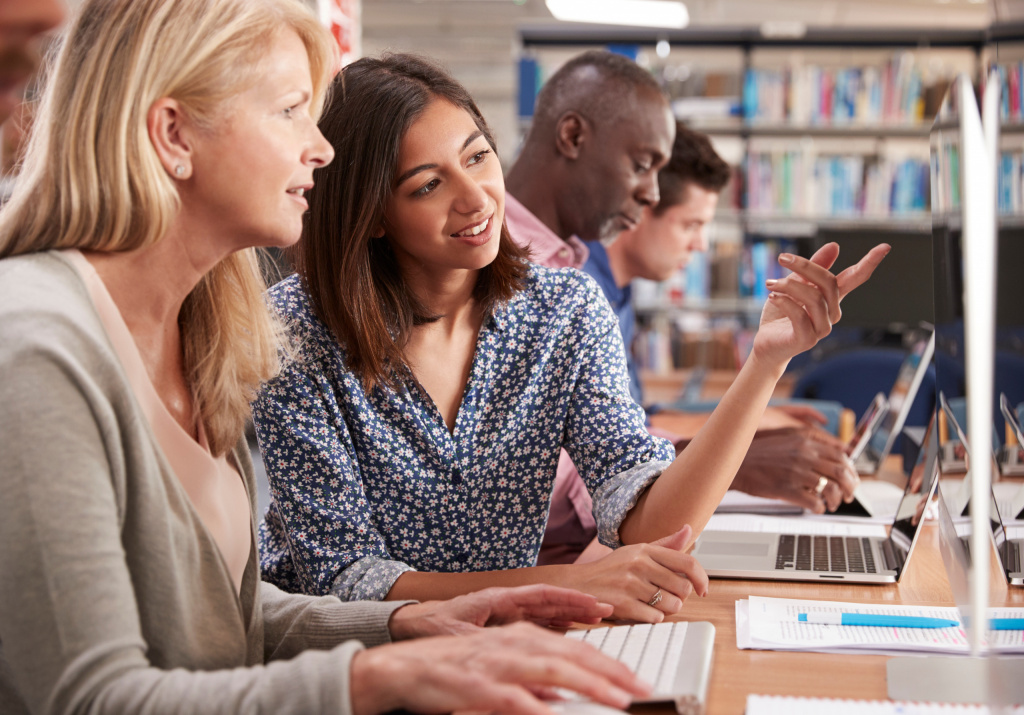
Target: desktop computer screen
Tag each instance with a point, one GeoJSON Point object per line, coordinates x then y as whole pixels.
{"type": "Point", "coordinates": [963, 248]}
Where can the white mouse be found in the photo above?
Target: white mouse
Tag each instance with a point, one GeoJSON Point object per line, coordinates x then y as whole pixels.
{"type": "Point", "coordinates": [583, 707]}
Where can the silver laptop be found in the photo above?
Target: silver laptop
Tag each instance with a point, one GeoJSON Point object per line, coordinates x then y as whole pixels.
{"type": "Point", "coordinates": [1007, 549]}
{"type": "Point", "coordinates": [901, 398]}
{"type": "Point", "coordinates": [867, 426]}
{"type": "Point", "coordinates": [793, 557]}
{"type": "Point", "coordinates": [960, 503]}
{"type": "Point", "coordinates": [1011, 462]}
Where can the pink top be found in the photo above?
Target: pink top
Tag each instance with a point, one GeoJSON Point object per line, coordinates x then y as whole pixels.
{"type": "Point", "coordinates": [212, 484]}
{"type": "Point", "coordinates": [546, 248]}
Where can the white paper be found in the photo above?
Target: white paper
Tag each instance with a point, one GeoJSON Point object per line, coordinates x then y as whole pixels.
{"type": "Point", "coordinates": [771, 624]}
{"type": "Point", "coordinates": [736, 501]}
{"type": "Point", "coordinates": [792, 525]}
{"type": "Point", "coordinates": [880, 496]}
{"type": "Point", "coordinates": [787, 705]}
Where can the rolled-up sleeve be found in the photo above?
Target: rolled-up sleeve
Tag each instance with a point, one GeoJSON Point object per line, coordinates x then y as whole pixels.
{"type": "Point", "coordinates": [319, 536]}
{"type": "Point", "coordinates": [605, 430]}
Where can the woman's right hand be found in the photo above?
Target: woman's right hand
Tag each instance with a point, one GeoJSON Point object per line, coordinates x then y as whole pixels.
{"type": "Point", "coordinates": [495, 670]}
{"type": "Point", "coordinates": [630, 577]}
{"type": "Point", "coordinates": [802, 307]}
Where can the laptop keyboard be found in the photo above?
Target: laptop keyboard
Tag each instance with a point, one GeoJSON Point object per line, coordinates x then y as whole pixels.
{"type": "Point", "coordinates": [1011, 556]}
{"type": "Point", "coordinates": [837, 554]}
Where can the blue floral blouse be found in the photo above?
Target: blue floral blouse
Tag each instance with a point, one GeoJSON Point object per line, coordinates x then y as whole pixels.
{"type": "Point", "coordinates": [366, 486]}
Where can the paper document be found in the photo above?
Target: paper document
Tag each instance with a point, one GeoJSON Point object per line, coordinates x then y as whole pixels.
{"type": "Point", "coordinates": [786, 705]}
{"type": "Point", "coordinates": [1005, 494]}
{"type": "Point", "coordinates": [772, 624]}
{"type": "Point", "coordinates": [884, 498]}
{"type": "Point", "coordinates": [792, 525]}
{"type": "Point", "coordinates": [737, 502]}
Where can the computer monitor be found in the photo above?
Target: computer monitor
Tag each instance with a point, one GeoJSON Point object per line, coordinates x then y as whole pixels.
{"type": "Point", "coordinates": [964, 248]}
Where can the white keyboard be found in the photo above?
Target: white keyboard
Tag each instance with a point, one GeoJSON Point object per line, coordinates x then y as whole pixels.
{"type": "Point", "coordinates": [673, 657]}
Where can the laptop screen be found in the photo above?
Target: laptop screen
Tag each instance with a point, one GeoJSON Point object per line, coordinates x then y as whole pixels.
{"type": "Point", "coordinates": [919, 491]}
{"type": "Point", "coordinates": [867, 425]}
{"type": "Point", "coordinates": [901, 397]}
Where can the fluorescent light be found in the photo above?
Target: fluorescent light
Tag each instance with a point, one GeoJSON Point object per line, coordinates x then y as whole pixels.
{"type": "Point", "coordinates": [643, 13]}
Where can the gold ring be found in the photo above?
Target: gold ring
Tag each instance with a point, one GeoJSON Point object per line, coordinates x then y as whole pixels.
{"type": "Point", "coordinates": [822, 483]}
{"type": "Point", "coordinates": [655, 599]}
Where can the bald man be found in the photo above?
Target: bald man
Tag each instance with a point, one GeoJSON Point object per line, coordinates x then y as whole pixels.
{"type": "Point", "coordinates": [21, 24]}
{"type": "Point", "coordinates": [601, 130]}
{"type": "Point", "coordinates": [589, 170]}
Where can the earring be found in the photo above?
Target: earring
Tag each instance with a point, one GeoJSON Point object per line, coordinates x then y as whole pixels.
{"type": "Point", "coordinates": [179, 170]}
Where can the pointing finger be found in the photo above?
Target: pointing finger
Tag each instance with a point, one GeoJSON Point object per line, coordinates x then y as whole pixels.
{"type": "Point", "coordinates": [859, 272]}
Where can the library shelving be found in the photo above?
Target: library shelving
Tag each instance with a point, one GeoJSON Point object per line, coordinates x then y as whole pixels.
{"type": "Point", "coordinates": [828, 133]}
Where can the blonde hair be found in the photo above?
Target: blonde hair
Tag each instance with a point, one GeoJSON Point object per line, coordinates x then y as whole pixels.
{"type": "Point", "coordinates": [92, 179]}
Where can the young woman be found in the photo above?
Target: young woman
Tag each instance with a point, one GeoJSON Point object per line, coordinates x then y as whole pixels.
{"type": "Point", "coordinates": [174, 136]}
{"type": "Point", "coordinates": [412, 441]}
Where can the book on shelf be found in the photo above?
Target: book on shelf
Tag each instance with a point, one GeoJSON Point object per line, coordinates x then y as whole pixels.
{"type": "Point", "coordinates": [1011, 105]}
{"type": "Point", "coordinates": [801, 182]}
{"type": "Point", "coordinates": [1009, 183]}
{"type": "Point", "coordinates": [667, 343]}
{"type": "Point", "coordinates": [945, 176]}
{"type": "Point", "coordinates": [706, 314]}
{"type": "Point", "coordinates": [813, 95]}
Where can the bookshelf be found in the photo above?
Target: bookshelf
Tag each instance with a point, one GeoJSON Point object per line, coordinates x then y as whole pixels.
{"type": "Point", "coordinates": [828, 134]}
{"type": "Point", "coordinates": [1007, 58]}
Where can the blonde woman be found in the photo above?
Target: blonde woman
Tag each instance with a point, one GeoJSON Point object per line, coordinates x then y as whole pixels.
{"type": "Point", "coordinates": [173, 137]}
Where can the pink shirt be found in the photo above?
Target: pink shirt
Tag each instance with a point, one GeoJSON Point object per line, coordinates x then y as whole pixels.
{"type": "Point", "coordinates": [546, 248]}
{"type": "Point", "coordinates": [571, 524]}
{"type": "Point", "coordinates": [212, 484]}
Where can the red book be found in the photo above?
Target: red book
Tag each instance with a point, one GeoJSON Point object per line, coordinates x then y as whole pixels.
{"type": "Point", "coordinates": [826, 95]}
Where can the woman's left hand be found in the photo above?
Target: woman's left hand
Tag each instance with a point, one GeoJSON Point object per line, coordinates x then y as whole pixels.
{"type": "Point", "coordinates": [802, 307]}
{"type": "Point", "coordinates": [542, 604]}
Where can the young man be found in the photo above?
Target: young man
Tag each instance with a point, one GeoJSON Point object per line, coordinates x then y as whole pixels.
{"type": "Point", "coordinates": [589, 169]}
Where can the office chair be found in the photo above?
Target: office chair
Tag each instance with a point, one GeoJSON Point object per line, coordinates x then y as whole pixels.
{"type": "Point", "coordinates": [854, 377]}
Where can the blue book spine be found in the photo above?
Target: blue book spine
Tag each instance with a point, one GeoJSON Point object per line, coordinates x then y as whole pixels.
{"type": "Point", "coordinates": [760, 260]}
{"type": "Point", "coordinates": [528, 86]}
{"type": "Point", "coordinates": [750, 82]}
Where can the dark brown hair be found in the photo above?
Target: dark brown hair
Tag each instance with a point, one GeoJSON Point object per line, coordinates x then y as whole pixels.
{"type": "Point", "coordinates": [694, 161]}
{"type": "Point", "coordinates": [352, 278]}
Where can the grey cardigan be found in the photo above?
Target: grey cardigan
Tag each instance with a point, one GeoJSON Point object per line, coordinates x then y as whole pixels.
{"type": "Point", "coordinates": [113, 596]}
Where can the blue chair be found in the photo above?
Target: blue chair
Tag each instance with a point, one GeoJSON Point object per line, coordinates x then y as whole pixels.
{"type": "Point", "coordinates": [852, 378]}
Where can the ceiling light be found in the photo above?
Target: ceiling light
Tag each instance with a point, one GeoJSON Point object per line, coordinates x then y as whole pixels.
{"type": "Point", "coordinates": [663, 48]}
{"type": "Point", "coordinates": [642, 13]}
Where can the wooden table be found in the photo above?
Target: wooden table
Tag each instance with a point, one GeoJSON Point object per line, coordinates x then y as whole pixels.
{"type": "Point", "coordinates": [737, 673]}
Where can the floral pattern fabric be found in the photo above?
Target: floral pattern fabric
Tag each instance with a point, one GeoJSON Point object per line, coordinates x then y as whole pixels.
{"type": "Point", "coordinates": [366, 486]}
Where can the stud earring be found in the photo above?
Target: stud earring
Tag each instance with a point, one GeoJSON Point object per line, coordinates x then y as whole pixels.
{"type": "Point", "coordinates": [179, 170]}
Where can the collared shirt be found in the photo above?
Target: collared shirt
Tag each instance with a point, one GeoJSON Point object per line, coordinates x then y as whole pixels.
{"type": "Point", "coordinates": [546, 248]}
{"type": "Point", "coordinates": [366, 486]}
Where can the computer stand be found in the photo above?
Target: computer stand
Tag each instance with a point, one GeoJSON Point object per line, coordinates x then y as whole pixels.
{"type": "Point", "coordinates": [956, 679]}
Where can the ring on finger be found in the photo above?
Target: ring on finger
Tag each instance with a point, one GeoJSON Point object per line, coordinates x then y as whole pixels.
{"type": "Point", "coordinates": [655, 599]}
{"type": "Point", "coordinates": [822, 483]}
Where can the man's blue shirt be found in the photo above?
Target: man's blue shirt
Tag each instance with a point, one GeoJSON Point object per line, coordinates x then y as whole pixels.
{"type": "Point", "coordinates": [621, 300]}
